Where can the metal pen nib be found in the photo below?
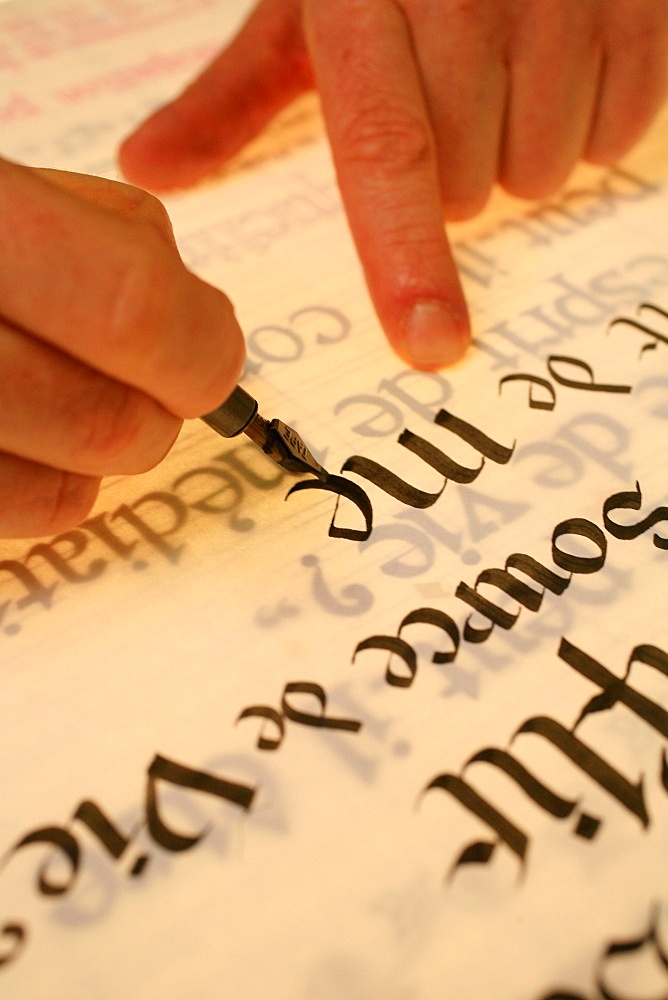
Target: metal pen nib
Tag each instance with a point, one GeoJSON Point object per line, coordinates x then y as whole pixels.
{"type": "Point", "coordinates": [281, 443]}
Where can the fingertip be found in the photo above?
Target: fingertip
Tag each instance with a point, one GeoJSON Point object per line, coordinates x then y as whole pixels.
{"type": "Point", "coordinates": [150, 158]}
{"type": "Point", "coordinates": [435, 334]}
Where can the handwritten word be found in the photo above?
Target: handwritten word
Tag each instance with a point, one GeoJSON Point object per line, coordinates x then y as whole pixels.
{"type": "Point", "coordinates": [161, 772]}
{"type": "Point", "coordinates": [568, 372]}
{"type": "Point", "coordinates": [67, 849]}
{"type": "Point", "coordinates": [504, 580]}
{"type": "Point", "coordinates": [629, 795]}
{"type": "Point", "coordinates": [398, 488]}
{"type": "Point", "coordinates": [589, 384]}
{"type": "Point", "coordinates": [576, 305]}
{"type": "Point", "coordinates": [288, 711]}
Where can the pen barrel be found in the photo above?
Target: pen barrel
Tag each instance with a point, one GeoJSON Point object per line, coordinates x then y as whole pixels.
{"type": "Point", "coordinates": [234, 415]}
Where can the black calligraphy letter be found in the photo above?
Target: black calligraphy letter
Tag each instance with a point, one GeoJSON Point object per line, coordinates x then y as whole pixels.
{"type": "Point", "coordinates": [12, 939]}
{"type": "Point", "coordinates": [632, 500]}
{"type": "Point", "coordinates": [467, 432]}
{"type": "Point", "coordinates": [432, 456]}
{"type": "Point", "coordinates": [521, 592]}
{"type": "Point", "coordinates": [571, 383]}
{"type": "Point", "coordinates": [630, 796]}
{"type": "Point", "coordinates": [642, 327]}
{"type": "Point", "coordinates": [319, 720]}
{"type": "Point", "coordinates": [481, 851]}
{"type": "Point", "coordinates": [534, 402]}
{"type": "Point", "coordinates": [173, 773]}
{"type": "Point", "coordinates": [66, 846]}
{"type": "Point", "coordinates": [586, 529]}
{"type": "Point", "coordinates": [615, 689]}
{"type": "Point", "coordinates": [265, 742]}
{"type": "Point", "coordinates": [295, 714]}
{"type": "Point", "coordinates": [342, 488]}
{"type": "Point", "coordinates": [543, 796]}
{"type": "Point", "coordinates": [650, 941]}
{"type": "Point", "coordinates": [396, 647]}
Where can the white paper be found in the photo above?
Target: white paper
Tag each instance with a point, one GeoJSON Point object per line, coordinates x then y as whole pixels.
{"type": "Point", "coordinates": [198, 592]}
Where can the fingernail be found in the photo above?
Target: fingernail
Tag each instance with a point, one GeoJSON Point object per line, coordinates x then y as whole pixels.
{"type": "Point", "coordinates": [436, 335]}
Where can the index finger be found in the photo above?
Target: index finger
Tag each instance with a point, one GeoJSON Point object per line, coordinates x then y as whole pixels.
{"type": "Point", "coordinates": [110, 290]}
{"type": "Point", "coordinates": [385, 158]}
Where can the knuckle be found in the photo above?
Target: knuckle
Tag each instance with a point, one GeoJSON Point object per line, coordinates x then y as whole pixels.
{"type": "Point", "coordinates": [143, 293]}
{"type": "Point", "coordinates": [65, 505]}
{"type": "Point", "coordinates": [385, 139]}
{"type": "Point", "coordinates": [150, 211]}
{"type": "Point", "coordinates": [217, 364]}
{"type": "Point", "coordinates": [116, 429]}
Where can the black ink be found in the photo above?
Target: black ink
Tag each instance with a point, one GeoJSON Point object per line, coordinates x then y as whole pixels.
{"type": "Point", "coordinates": [649, 941]}
{"type": "Point", "coordinates": [396, 647]}
{"type": "Point", "coordinates": [342, 488]}
{"type": "Point", "coordinates": [467, 432]}
{"type": "Point", "coordinates": [390, 483]}
{"type": "Point", "coordinates": [481, 852]}
{"type": "Point", "coordinates": [628, 794]}
{"type": "Point", "coordinates": [171, 772]}
{"type": "Point", "coordinates": [521, 592]}
{"type": "Point", "coordinates": [642, 327]}
{"type": "Point", "coordinates": [430, 616]}
{"type": "Point", "coordinates": [295, 714]}
{"type": "Point", "coordinates": [615, 689]}
{"type": "Point", "coordinates": [320, 720]}
{"type": "Point", "coordinates": [411, 495]}
{"type": "Point", "coordinates": [632, 500]}
{"type": "Point", "coordinates": [589, 385]}
{"type": "Point", "coordinates": [586, 529]}
{"type": "Point", "coordinates": [12, 938]}
{"type": "Point", "coordinates": [534, 402]}
{"type": "Point", "coordinates": [265, 742]}
{"type": "Point", "coordinates": [111, 838]}
{"type": "Point", "coordinates": [599, 770]}
{"type": "Point", "coordinates": [66, 846]}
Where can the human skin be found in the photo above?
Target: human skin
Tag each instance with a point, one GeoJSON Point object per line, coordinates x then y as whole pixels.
{"type": "Point", "coordinates": [428, 104]}
{"type": "Point", "coordinates": [106, 340]}
{"type": "Point", "coordinates": [98, 317]}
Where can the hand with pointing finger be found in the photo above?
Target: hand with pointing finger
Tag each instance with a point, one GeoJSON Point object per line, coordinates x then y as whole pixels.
{"type": "Point", "coordinates": [428, 104]}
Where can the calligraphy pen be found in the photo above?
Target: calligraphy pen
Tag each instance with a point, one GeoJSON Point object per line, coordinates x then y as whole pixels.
{"type": "Point", "coordinates": [281, 443]}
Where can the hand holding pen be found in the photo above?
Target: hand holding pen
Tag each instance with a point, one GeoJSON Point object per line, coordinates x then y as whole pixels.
{"type": "Point", "coordinates": [106, 343]}
{"type": "Point", "coordinates": [106, 340]}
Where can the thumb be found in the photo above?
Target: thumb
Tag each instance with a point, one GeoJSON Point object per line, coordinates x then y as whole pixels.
{"type": "Point", "coordinates": [259, 73]}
